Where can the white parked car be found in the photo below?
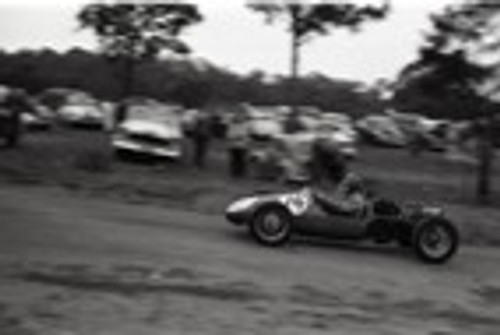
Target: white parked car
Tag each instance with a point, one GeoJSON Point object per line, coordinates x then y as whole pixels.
{"type": "Point", "coordinates": [81, 110]}
{"type": "Point", "coordinates": [151, 129]}
{"type": "Point", "coordinates": [339, 129]}
{"type": "Point", "coordinates": [418, 125]}
{"type": "Point", "coordinates": [381, 130]}
{"type": "Point", "coordinates": [263, 122]}
{"type": "Point", "coordinates": [88, 116]}
{"type": "Point", "coordinates": [341, 139]}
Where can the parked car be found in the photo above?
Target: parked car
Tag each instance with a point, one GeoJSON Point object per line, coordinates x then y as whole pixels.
{"type": "Point", "coordinates": [343, 141]}
{"type": "Point", "coordinates": [381, 130]}
{"type": "Point", "coordinates": [38, 117]}
{"type": "Point", "coordinates": [309, 117]}
{"type": "Point", "coordinates": [420, 128]}
{"type": "Point", "coordinates": [263, 122]}
{"type": "Point", "coordinates": [339, 130]}
{"type": "Point", "coordinates": [84, 116]}
{"type": "Point", "coordinates": [81, 110]}
{"type": "Point", "coordinates": [34, 122]}
{"type": "Point", "coordinates": [335, 128]}
{"type": "Point", "coordinates": [152, 129]}
{"type": "Point", "coordinates": [342, 121]}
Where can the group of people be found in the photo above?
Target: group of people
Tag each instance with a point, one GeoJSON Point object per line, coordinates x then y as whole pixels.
{"type": "Point", "coordinates": [199, 130]}
{"type": "Point", "coordinates": [336, 189]}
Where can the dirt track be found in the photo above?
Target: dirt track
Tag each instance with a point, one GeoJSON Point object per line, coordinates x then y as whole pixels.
{"type": "Point", "coordinates": [75, 265]}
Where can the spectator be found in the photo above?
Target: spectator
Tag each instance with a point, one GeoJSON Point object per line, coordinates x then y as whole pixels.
{"type": "Point", "coordinates": [120, 114]}
{"type": "Point", "coordinates": [14, 103]}
{"type": "Point", "coordinates": [416, 143]}
{"type": "Point", "coordinates": [238, 138]}
{"type": "Point", "coordinates": [201, 138]}
{"type": "Point", "coordinates": [188, 120]}
{"type": "Point", "coordinates": [293, 124]}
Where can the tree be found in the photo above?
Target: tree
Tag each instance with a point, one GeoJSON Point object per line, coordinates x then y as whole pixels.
{"type": "Point", "coordinates": [456, 66]}
{"type": "Point", "coordinates": [305, 21]}
{"type": "Point", "coordinates": [131, 32]}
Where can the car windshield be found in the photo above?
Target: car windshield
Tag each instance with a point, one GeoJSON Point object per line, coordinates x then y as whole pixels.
{"type": "Point", "coordinates": [80, 99]}
{"type": "Point", "coordinates": [328, 127]}
{"type": "Point", "coordinates": [157, 113]}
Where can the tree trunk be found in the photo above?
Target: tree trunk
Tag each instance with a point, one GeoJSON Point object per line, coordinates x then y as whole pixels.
{"type": "Point", "coordinates": [294, 68]}
{"type": "Point", "coordinates": [292, 122]}
{"type": "Point", "coordinates": [485, 151]}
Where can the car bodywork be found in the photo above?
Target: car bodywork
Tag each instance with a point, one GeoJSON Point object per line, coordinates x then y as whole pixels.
{"type": "Point", "coordinates": [309, 218]}
{"type": "Point", "coordinates": [381, 220]}
{"type": "Point", "coordinates": [381, 130]}
{"type": "Point", "coordinates": [263, 122]}
{"type": "Point", "coordinates": [81, 110]}
{"type": "Point", "coordinates": [415, 125]}
{"type": "Point", "coordinates": [154, 130]}
{"type": "Point", "coordinates": [339, 130]}
{"type": "Point", "coordinates": [35, 122]}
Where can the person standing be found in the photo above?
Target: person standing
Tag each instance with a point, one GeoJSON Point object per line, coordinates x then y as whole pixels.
{"type": "Point", "coordinates": [238, 140]}
{"type": "Point", "coordinates": [201, 136]}
{"type": "Point", "coordinates": [16, 103]}
{"type": "Point", "coordinates": [120, 114]}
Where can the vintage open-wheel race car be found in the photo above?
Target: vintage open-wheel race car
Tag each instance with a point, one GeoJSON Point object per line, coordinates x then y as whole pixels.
{"type": "Point", "coordinates": [272, 218]}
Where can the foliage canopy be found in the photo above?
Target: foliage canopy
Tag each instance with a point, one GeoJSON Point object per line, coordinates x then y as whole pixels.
{"type": "Point", "coordinates": [307, 20]}
{"type": "Point", "coordinates": [455, 74]}
{"type": "Point", "coordinates": [139, 30]}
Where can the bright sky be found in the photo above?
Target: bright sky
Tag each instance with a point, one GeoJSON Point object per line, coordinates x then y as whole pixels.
{"type": "Point", "coordinates": [235, 37]}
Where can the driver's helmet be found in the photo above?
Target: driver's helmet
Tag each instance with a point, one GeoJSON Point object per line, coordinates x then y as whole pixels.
{"type": "Point", "coordinates": [354, 184]}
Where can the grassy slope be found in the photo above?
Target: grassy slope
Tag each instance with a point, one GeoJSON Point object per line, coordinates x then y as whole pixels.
{"type": "Point", "coordinates": [82, 161]}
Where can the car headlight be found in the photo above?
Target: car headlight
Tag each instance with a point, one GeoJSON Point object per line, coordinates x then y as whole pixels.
{"type": "Point", "coordinates": [434, 211]}
{"type": "Point", "coordinates": [242, 205]}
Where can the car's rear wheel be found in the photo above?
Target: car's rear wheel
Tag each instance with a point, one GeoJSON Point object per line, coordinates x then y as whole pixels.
{"type": "Point", "coordinates": [435, 241]}
{"type": "Point", "coordinates": [271, 226]}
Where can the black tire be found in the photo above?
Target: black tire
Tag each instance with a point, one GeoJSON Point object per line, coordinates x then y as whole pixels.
{"type": "Point", "coordinates": [435, 241]}
{"type": "Point", "coordinates": [271, 226]}
{"type": "Point", "coordinates": [404, 242]}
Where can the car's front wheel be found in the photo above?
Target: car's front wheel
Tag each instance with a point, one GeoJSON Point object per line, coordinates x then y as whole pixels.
{"type": "Point", "coordinates": [435, 241]}
{"type": "Point", "coordinates": [271, 226]}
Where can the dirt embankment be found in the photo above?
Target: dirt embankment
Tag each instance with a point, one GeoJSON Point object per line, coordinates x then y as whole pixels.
{"type": "Point", "coordinates": [76, 299]}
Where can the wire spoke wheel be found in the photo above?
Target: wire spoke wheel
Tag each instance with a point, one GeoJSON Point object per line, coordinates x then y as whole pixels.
{"type": "Point", "coordinates": [271, 226]}
{"type": "Point", "coordinates": [436, 241]}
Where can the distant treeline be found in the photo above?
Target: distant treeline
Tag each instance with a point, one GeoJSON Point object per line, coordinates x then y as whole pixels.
{"type": "Point", "coordinates": [190, 82]}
